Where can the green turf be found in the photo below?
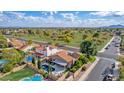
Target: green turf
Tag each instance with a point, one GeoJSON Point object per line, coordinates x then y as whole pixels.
{"type": "Point", "coordinates": [122, 74]}
{"type": "Point", "coordinates": [104, 43]}
{"type": "Point", "coordinates": [75, 42]}
{"type": "Point", "coordinates": [26, 72]}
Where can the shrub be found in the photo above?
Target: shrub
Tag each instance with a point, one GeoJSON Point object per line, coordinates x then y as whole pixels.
{"type": "Point", "coordinates": [73, 69]}
{"type": "Point", "coordinates": [121, 59]}
{"type": "Point", "coordinates": [92, 58]}
{"type": "Point", "coordinates": [83, 58]}
{"type": "Point", "coordinates": [45, 75]}
{"type": "Point", "coordinates": [7, 67]}
{"type": "Point", "coordinates": [84, 68]}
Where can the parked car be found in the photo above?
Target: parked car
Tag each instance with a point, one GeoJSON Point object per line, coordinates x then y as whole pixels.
{"type": "Point", "coordinates": [116, 45]}
{"type": "Point", "coordinates": [108, 77]}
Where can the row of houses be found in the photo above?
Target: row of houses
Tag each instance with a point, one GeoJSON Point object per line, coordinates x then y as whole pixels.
{"type": "Point", "coordinates": [59, 58]}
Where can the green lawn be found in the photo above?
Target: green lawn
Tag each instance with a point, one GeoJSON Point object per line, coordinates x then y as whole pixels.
{"type": "Point", "coordinates": [104, 43]}
{"type": "Point", "coordinates": [26, 72]}
{"type": "Point", "coordinates": [121, 59]}
{"type": "Point", "coordinates": [122, 42]}
{"type": "Point", "coordinates": [75, 42]}
{"type": "Point", "coordinates": [122, 74]}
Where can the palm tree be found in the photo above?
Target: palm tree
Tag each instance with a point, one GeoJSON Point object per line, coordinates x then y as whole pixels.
{"type": "Point", "coordinates": [38, 64]}
{"type": "Point", "coordinates": [49, 66]}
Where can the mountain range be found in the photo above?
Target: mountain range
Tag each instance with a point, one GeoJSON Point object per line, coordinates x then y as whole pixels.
{"type": "Point", "coordinates": [114, 26]}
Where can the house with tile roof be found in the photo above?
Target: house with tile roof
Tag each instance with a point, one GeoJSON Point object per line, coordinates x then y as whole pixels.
{"type": "Point", "coordinates": [16, 43]}
{"type": "Point", "coordinates": [20, 45]}
{"type": "Point", "coordinates": [43, 50]}
{"type": "Point", "coordinates": [63, 59]}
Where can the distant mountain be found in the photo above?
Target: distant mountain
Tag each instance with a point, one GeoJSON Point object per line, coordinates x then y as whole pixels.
{"type": "Point", "coordinates": [111, 26]}
{"type": "Point", "coordinates": [115, 26]}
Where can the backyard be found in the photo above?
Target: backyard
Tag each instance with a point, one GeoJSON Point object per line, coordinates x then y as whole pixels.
{"type": "Point", "coordinates": [26, 72]}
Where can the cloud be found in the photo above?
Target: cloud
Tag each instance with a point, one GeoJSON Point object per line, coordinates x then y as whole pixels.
{"type": "Point", "coordinates": [108, 13]}
{"type": "Point", "coordinates": [46, 13]}
{"type": "Point", "coordinates": [1, 12]}
{"type": "Point", "coordinates": [98, 22]}
{"type": "Point", "coordinates": [67, 19]}
{"type": "Point", "coordinates": [69, 16]}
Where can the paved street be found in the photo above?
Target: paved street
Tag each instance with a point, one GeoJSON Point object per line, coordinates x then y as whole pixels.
{"type": "Point", "coordinates": [106, 59]}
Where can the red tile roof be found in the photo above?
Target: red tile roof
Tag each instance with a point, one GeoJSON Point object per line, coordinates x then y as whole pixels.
{"type": "Point", "coordinates": [43, 47]}
{"type": "Point", "coordinates": [23, 47]}
{"type": "Point", "coordinates": [39, 54]}
{"type": "Point", "coordinates": [64, 55]}
{"type": "Point", "coordinates": [16, 43]}
{"type": "Point", "coordinates": [40, 48]}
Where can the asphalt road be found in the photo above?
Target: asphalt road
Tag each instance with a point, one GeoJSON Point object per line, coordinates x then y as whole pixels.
{"type": "Point", "coordinates": [106, 59]}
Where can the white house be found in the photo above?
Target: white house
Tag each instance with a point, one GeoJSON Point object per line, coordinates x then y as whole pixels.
{"type": "Point", "coordinates": [47, 50]}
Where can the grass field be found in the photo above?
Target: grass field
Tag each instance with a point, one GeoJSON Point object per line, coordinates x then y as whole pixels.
{"type": "Point", "coordinates": [26, 72]}
{"type": "Point", "coordinates": [75, 42]}
{"type": "Point", "coordinates": [121, 59]}
{"type": "Point", "coordinates": [122, 74]}
{"type": "Point", "coordinates": [103, 44]}
{"type": "Point", "coordinates": [122, 42]}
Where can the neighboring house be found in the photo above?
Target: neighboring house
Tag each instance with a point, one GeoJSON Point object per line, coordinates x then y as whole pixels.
{"type": "Point", "coordinates": [25, 48]}
{"type": "Point", "coordinates": [7, 32]}
{"type": "Point", "coordinates": [63, 59]}
{"type": "Point", "coordinates": [75, 55]}
{"type": "Point", "coordinates": [46, 51]}
{"type": "Point", "coordinates": [20, 45]}
{"type": "Point", "coordinates": [16, 43]}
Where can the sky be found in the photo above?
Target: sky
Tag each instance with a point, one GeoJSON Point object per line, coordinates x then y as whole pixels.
{"type": "Point", "coordinates": [60, 18]}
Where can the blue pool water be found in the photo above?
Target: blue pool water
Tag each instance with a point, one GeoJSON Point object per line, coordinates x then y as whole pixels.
{"type": "Point", "coordinates": [37, 77]}
{"type": "Point", "coordinates": [46, 68]}
{"type": "Point", "coordinates": [3, 61]}
{"type": "Point", "coordinates": [29, 59]}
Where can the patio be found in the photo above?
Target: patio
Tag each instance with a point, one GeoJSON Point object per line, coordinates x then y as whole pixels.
{"type": "Point", "coordinates": [58, 69]}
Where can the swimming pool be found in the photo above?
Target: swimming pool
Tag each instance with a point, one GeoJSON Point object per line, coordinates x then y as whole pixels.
{"type": "Point", "coordinates": [36, 77]}
{"type": "Point", "coordinates": [29, 59]}
{"type": "Point", "coordinates": [47, 68]}
{"type": "Point", "coordinates": [2, 61]}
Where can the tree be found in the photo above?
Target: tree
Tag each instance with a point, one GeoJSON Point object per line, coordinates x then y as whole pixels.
{"type": "Point", "coordinates": [33, 60]}
{"type": "Point", "coordinates": [12, 55]}
{"type": "Point", "coordinates": [68, 39]}
{"type": "Point", "coordinates": [29, 42]}
{"type": "Point", "coordinates": [3, 42]}
{"type": "Point", "coordinates": [38, 63]}
{"type": "Point", "coordinates": [83, 59]}
{"type": "Point", "coordinates": [7, 67]}
{"type": "Point", "coordinates": [88, 47]}
{"type": "Point", "coordinates": [84, 36]}
{"type": "Point", "coordinates": [96, 34]}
